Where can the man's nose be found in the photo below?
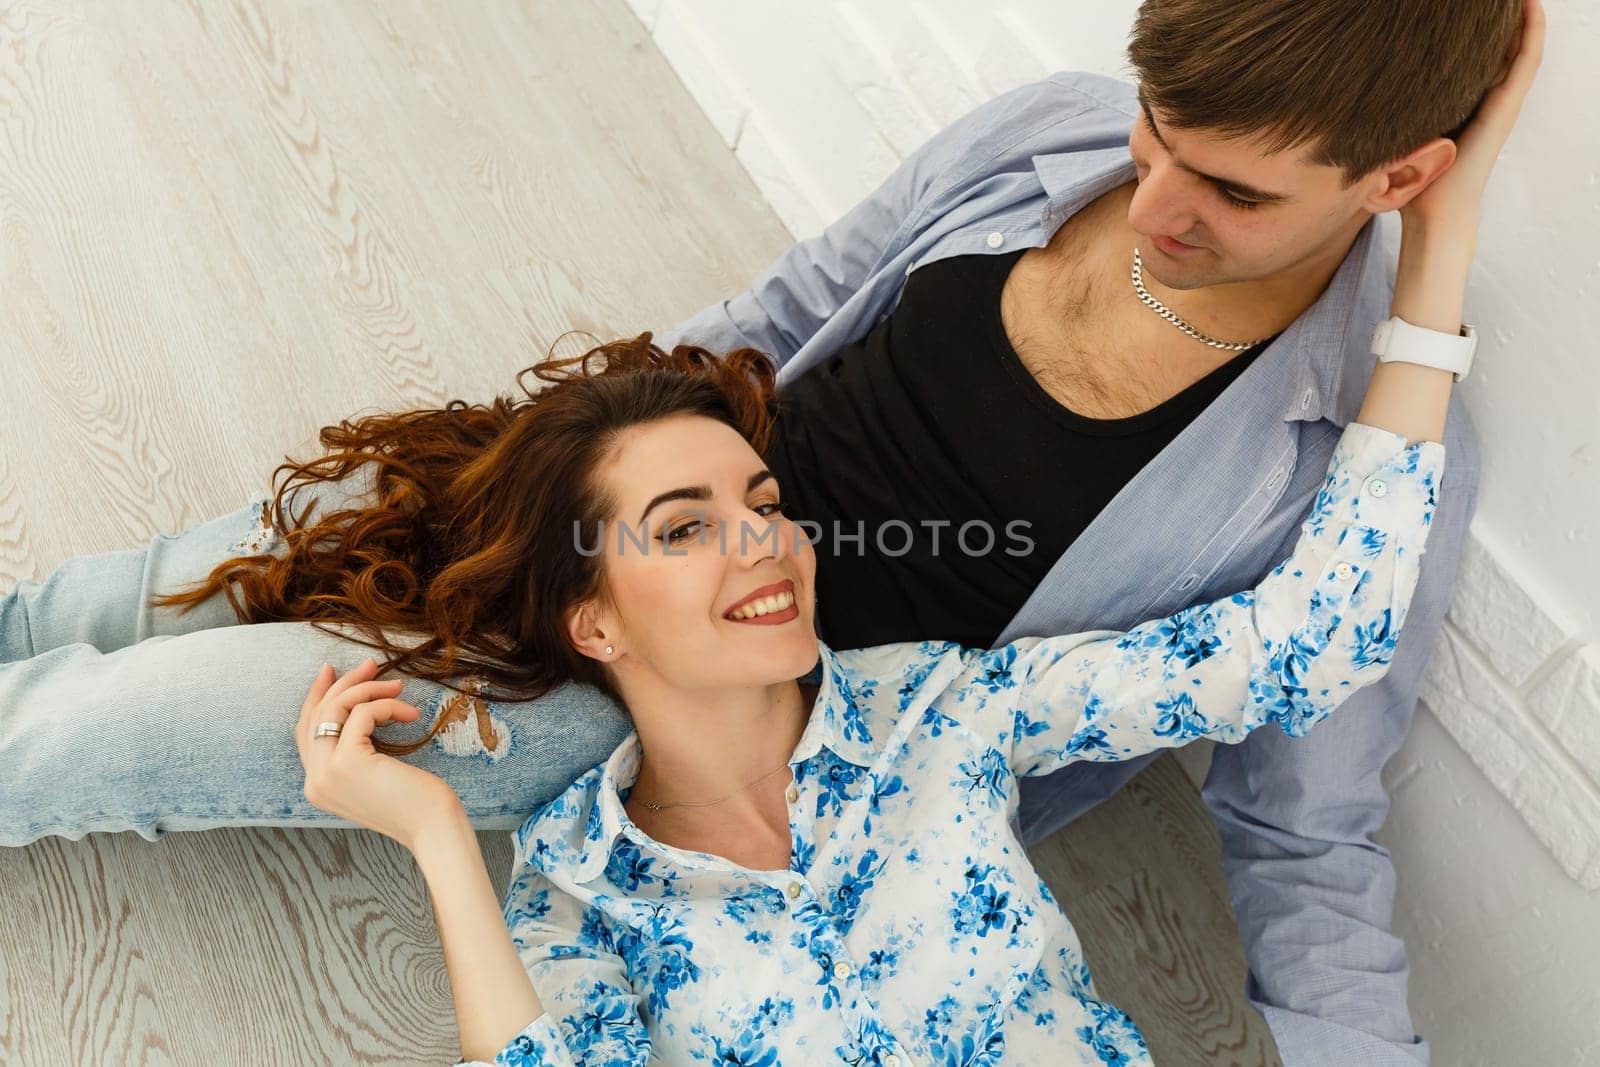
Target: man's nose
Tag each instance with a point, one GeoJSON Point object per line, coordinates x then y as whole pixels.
{"type": "Point", "coordinates": [1160, 204]}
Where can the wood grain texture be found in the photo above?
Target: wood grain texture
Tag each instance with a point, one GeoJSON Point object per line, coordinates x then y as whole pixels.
{"type": "Point", "coordinates": [225, 223]}
{"type": "Point", "coordinates": [1140, 877]}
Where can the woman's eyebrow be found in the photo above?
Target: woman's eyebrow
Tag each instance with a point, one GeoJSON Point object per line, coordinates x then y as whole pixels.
{"type": "Point", "coordinates": [701, 492]}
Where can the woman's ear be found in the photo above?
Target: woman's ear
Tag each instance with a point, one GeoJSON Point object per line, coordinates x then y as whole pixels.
{"type": "Point", "coordinates": [1406, 177]}
{"type": "Point", "coordinates": [590, 634]}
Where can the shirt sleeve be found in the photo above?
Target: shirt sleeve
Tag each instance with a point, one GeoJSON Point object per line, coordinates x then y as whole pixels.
{"type": "Point", "coordinates": [1319, 626]}
{"type": "Point", "coordinates": [591, 1016]}
{"type": "Point", "coordinates": [1313, 893]}
{"type": "Point", "coordinates": [791, 300]}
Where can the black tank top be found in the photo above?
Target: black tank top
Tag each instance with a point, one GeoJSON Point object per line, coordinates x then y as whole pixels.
{"type": "Point", "coordinates": [931, 419]}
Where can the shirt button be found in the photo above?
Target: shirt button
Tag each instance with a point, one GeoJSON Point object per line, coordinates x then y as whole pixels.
{"type": "Point", "coordinates": [841, 970]}
{"type": "Point", "coordinates": [995, 240]}
{"type": "Point", "coordinates": [1343, 571]}
{"type": "Point", "coordinates": [793, 890]}
{"type": "Point", "coordinates": [1378, 487]}
{"type": "Point", "coordinates": [793, 793]}
{"type": "Point", "coordinates": [891, 1060]}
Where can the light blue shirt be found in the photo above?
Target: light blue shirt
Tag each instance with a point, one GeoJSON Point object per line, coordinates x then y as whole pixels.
{"type": "Point", "coordinates": [1212, 513]}
{"type": "Point", "coordinates": [910, 927]}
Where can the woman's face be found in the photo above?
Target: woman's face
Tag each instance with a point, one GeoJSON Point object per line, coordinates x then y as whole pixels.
{"type": "Point", "coordinates": [696, 531]}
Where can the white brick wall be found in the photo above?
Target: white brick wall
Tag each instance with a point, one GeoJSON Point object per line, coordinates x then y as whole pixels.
{"type": "Point", "coordinates": [1520, 693]}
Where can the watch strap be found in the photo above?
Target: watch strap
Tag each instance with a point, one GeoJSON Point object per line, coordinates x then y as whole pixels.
{"type": "Point", "coordinates": [1398, 341]}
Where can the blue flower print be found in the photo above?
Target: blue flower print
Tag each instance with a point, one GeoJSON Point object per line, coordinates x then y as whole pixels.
{"type": "Point", "coordinates": [1372, 542]}
{"type": "Point", "coordinates": [1029, 727]}
{"type": "Point", "coordinates": [982, 905]}
{"type": "Point", "coordinates": [929, 660]}
{"type": "Point", "coordinates": [1373, 642]}
{"type": "Point", "coordinates": [938, 722]}
{"type": "Point", "coordinates": [983, 1046]}
{"type": "Point", "coordinates": [996, 674]}
{"type": "Point", "coordinates": [802, 853]}
{"type": "Point", "coordinates": [846, 897]}
{"type": "Point", "coordinates": [855, 724]}
{"type": "Point", "coordinates": [605, 1026]}
{"type": "Point", "coordinates": [659, 955]}
{"type": "Point", "coordinates": [1110, 1053]}
{"type": "Point", "coordinates": [940, 1019]}
{"type": "Point", "coordinates": [1179, 717]}
{"type": "Point", "coordinates": [834, 777]}
{"type": "Point", "coordinates": [773, 1012]}
{"type": "Point", "coordinates": [596, 931]}
{"type": "Point", "coordinates": [1029, 1000]}
{"type": "Point", "coordinates": [832, 995]}
{"type": "Point", "coordinates": [987, 775]}
{"type": "Point", "coordinates": [628, 867]}
{"type": "Point", "coordinates": [882, 786]}
{"type": "Point", "coordinates": [1112, 1036]}
{"type": "Point", "coordinates": [1189, 637]}
{"type": "Point", "coordinates": [854, 692]}
{"type": "Point", "coordinates": [881, 963]}
{"type": "Point", "coordinates": [596, 828]}
{"type": "Point", "coordinates": [747, 1050]}
{"type": "Point", "coordinates": [1088, 739]}
{"type": "Point", "coordinates": [525, 909]}
{"type": "Point", "coordinates": [868, 1047]}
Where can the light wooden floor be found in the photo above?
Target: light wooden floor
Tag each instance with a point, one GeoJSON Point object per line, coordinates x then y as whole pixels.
{"type": "Point", "coordinates": [224, 224]}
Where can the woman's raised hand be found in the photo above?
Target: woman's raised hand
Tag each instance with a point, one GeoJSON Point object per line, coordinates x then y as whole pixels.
{"type": "Point", "coordinates": [1454, 199]}
{"type": "Point", "coordinates": [346, 776]}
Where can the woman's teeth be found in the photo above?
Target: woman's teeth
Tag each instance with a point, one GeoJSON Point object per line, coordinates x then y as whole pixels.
{"type": "Point", "coordinates": [765, 606]}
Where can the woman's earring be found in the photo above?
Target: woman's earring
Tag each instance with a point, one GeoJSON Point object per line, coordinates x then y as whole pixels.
{"type": "Point", "coordinates": [608, 650]}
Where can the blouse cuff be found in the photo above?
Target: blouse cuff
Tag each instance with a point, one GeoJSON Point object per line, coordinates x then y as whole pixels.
{"type": "Point", "coordinates": [538, 1045]}
{"type": "Point", "coordinates": [1378, 482]}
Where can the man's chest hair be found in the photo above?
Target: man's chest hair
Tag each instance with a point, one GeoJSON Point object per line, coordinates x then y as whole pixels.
{"type": "Point", "coordinates": [1085, 345]}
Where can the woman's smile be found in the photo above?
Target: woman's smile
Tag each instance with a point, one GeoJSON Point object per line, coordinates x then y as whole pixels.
{"type": "Point", "coordinates": [767, 606]}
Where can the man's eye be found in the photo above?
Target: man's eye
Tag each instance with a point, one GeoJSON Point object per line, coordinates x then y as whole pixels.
{"type": "Point", "coordinates": [1236, 202]}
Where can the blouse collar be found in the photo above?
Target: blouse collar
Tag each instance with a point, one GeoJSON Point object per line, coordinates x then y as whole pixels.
{"type": "Point", "coordinates": [589, 817]}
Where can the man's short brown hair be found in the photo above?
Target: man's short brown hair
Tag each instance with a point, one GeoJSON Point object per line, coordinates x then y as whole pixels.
{"type": "Point", "coordinates": [1364, 81]}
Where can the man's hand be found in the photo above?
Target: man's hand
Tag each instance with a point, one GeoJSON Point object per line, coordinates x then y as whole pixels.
{"type": "Point", "coordinates": [1451, 204]}
{"type": "Point", "coordinates": [347, 776]}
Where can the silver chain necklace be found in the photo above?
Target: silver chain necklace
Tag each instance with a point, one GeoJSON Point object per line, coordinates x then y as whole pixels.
{"type": "Point", "coordinates": [719, 800]}
{"type": "Point", "coordinates": [1171, 316]}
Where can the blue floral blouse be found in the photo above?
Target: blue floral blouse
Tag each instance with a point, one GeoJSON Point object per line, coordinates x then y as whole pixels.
{"type": "Point", "coordinates": [910, 927]}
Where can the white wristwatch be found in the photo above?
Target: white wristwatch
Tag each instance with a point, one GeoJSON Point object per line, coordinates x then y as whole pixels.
{"type": "Point", "coordinates": [1397, 341]}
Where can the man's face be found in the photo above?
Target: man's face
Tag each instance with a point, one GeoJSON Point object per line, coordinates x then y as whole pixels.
{"type": "Point", "coordinates": [1236, 213]}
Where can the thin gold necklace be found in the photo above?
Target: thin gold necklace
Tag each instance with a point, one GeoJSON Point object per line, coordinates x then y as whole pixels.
{"type": "Point", "coordinates": [708, 803]}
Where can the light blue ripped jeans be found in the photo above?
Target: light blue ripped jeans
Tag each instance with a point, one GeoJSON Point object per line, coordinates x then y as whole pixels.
{"type": "Point", "coordinates": [116, 716]}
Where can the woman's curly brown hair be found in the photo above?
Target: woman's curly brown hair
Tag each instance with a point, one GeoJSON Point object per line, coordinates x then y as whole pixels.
{"type": "Point", "coordinates": [470, 541]}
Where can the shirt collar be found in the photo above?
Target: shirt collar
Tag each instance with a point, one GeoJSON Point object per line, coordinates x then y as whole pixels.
{"type": "Point", "coordinates": [593, 804]}
{"type": "Point", "coordinates": [837, 719]}
{"type": "Point", "coordinates": [1322, 360]}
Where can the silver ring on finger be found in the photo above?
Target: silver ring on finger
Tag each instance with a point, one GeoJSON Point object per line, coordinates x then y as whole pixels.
{"type": "Point", "coordinates": [328, 729]}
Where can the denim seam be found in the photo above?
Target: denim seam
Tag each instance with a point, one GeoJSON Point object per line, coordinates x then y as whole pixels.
{"type": "Point", "coordinates": [36, 827]}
